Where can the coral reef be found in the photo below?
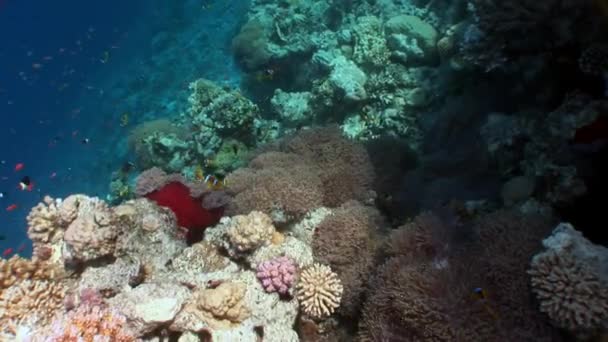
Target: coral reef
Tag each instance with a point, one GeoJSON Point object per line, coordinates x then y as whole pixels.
{"type": "Point", "coordinates": [569, 279]}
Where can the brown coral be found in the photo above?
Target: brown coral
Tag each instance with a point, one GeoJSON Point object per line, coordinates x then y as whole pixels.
{"type": "Point", "coordinates": [94, 232]}
{"type": "Point", "coordinates": [426, 293]}
{"type": "Point", "coordinates": [345, 168]}
{"type": "Point", "coordinates": [317, 167]}
{"type": "Point", "coordinates": [570, 282]}
{"type": "Point", "coordinates": [346, 241]}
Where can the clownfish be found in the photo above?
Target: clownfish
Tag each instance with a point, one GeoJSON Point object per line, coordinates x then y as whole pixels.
{"type": "Point", "coordinates": [211, 181]}
{"type": "Point", "coordinates": [481, 295]}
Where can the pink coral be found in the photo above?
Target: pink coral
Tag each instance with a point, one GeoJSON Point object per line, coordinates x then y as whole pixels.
{"type": "Point", "coordinates": [277, 275]}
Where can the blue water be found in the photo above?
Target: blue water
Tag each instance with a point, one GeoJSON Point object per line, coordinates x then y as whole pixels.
{"type": "Point", "coordinates": [69, 70]}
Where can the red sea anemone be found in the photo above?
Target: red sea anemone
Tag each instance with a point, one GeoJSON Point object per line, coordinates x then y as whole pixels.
{"type": "Point", "coordinates": [189, 210]}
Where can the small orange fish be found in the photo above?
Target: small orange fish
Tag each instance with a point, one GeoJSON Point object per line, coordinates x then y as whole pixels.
{"type": "Point", "coordinates": [481, 295]}
{"type": "Point", "coordinates": [7, 252]}
{"type": "Point", "coordinates": [21, 248]}
{"type": "Point", "coordinates": [19, 166]}
{"type": "Point", "coordinates": [11, 207]}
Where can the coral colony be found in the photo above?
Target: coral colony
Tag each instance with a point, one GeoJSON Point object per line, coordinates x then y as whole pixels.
{"type": "Point", "coordinates": [360, 185]}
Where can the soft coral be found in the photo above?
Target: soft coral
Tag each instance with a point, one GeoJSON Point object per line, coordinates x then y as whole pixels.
{"type": "Point", "coordinates": [189, 210]}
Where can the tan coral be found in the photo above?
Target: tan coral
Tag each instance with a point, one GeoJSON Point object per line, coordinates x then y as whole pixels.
{"type": "Point", "coordinates": [44, 222]}
{"type": "Point", "coordinates": [222, 307]}
{"type": "Point", "coordinates": [201, 257]}
{"type": "Point", "coordinates": [18, 269]}
{"type": "Point", "coordinates": [569, 293]}
{"type": "Point", "coordinates": [247, 232]}
{"type": "Point", "coordinates": [224, 304]}
{"type": "Point", "coordinates": [32, 302]}
{"type": "Point", "coordinates": [319, 291]}
{"type": "Point", "coordinates": [94, 231]}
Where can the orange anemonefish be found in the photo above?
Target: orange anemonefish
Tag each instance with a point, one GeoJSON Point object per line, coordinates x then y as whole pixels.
{"type": "Point", "coordinates": [214, 183]}
{"type": "Point", "coordinates": [481, 295]}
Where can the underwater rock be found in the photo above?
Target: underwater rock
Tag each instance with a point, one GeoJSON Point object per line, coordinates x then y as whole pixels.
{"type": "Point", "coordinates": [348, 79]}
{"type": "Point", "coordinates": [517, 190]}
{"type": "Point", "coordinates": [150, 305]}
{"type": "Point", "coordinates": [412, 35]}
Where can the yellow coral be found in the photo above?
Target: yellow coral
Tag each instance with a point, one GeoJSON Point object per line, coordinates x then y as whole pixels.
{"type": "Point", "coordinates": [248, 232]}
{"type": "Point", "coordinates": [223, 305]}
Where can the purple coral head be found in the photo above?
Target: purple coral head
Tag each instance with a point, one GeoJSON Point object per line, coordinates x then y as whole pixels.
{"type": "Point", "coordinates": [277, 274]}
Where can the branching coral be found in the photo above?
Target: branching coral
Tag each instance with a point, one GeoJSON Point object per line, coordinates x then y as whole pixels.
{"type": "Point", "coordinates": [31, 302]}
{"type": "Point", "coordinates": [570, 282]}
{"type": "Point", "coordinates": [319, 291]}
{"type": "Point", "coordinates": [17, 269]}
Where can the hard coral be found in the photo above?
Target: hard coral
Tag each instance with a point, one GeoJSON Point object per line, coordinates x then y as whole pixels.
{"type": "Point", "coordinates": [91, 324]}
{"type": "Point", "coordinates": [569, 279]}
{"type": "Point", "coordinates": [277, 275]}
{"type": "Point", "coordinates": [31, 302]}
{"type": "Point", "coordinates": [319, 291]}
{"type": "Point", "coordinates": [248, 232]}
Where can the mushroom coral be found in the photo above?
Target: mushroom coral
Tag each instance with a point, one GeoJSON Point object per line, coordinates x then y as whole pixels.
{"type": "Point", "coordinates": [189, 210]}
